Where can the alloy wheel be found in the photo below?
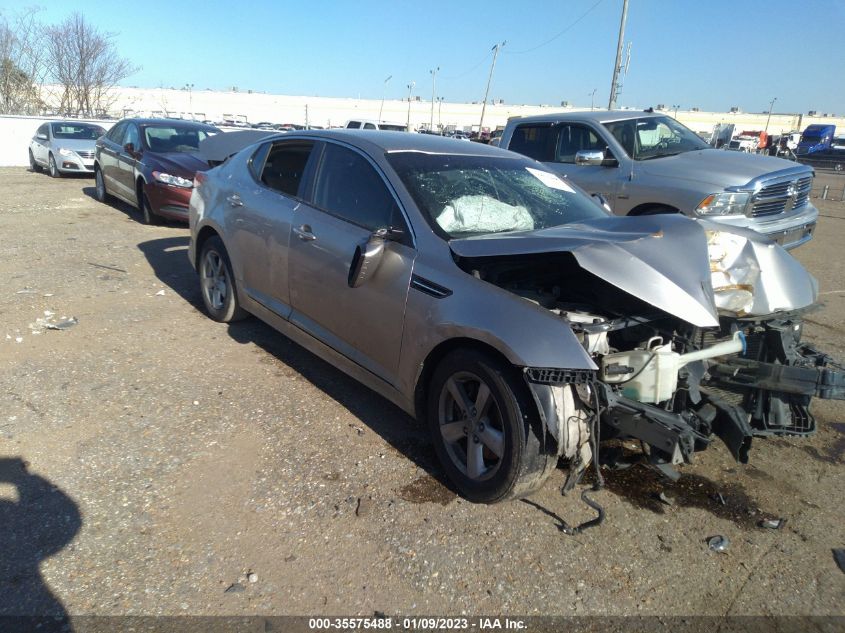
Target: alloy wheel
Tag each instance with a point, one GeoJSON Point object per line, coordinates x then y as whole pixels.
{"type": "Point", "coordinates": [471, 426]}
{"type": "Point", "coordinates": [215, 282]}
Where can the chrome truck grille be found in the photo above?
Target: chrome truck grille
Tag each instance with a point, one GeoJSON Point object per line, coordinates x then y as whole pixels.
{"type": "Point", "coordinates": [781, 195]}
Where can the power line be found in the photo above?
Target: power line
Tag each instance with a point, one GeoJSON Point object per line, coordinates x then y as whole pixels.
{"type": "Point", "coordinates": [549, 41]}
{"type": "Point", "coordinates": [471, 69]}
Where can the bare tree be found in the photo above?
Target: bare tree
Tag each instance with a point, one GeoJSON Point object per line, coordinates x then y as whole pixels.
{"type": "Point", "coordinates": [23, 66]}
{"type": "Point", "coordinates": [85, 65]}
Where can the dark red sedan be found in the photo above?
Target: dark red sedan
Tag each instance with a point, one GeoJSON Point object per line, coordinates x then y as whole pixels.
{"type": "Point", "coordinates": [151, 164]}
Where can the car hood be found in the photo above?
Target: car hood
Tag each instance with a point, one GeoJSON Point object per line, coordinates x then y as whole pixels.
{"type": "Point", "coordinates": [176, 163]}
{"type": "Point", "coordinates": [694, 270]}
{"type": "Point", "coordinates": [717, 167]}
{"type": "Point", "coordinates": [662, 260]}
{"type": "Point", "coordinates": [75, 144]}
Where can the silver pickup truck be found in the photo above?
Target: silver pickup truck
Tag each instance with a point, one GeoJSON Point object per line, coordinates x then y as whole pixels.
{"type": "Point", "coordinates": [645, 163]}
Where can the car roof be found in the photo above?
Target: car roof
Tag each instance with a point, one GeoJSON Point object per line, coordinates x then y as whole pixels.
{"type": "Point", "coordinates": [382, 141]}
{"type": "Point", "coordinates": [596, 116]}
{"type": "Point", "coordinates": [159, 121]}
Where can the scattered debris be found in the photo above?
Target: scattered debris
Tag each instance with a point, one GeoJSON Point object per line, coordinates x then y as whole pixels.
{"type": "Point", "coordinates": [718, 498]}
{"type": "Point", "coordinates": [290, 558]}
{"type": "Point", "coordinates": [358, 429]}
{"type": "Point", "coordinates": [718, 543]}
{"type": "Point", "coordinates": [120, 270]}
{"type": "Point", "coordinates": [47, 323]}
{"type": "Point", "coordinates": [160, 293]}
{"type": "Point", "coordinates": [26, 291]}
{"type": "Point", "coordinates": [196, 403]}
{"type": "Point", "coordinates": [252, 576]}
{"type": "Point", "coordinates": [363, 507]}
{"type": "Point", "coordinates": [839, 557]}
{"type": "Point", "coordinates": [235, 588]}
{"type": "Point", "coordinates": [772, 524]}
{"type": "Point", "coordinates": [18, 339]}
{"type": "Point", "coordinates": [379, 614]}
{"type": "Point", "coordinates": [669, 501]}
{"type": "Point", "coordinates": [62, 325]}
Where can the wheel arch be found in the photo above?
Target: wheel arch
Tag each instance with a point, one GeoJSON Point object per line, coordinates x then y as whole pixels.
{"type": "Point", "coordinates": [652, 208]}
{"type": "Point", "coordinates": [203, 235]}
{"type": "Point", "coordinates": [438, 354]}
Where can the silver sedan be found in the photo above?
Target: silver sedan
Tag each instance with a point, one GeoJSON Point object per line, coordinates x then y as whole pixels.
{"type": "Point", "coordinates": [495, 300]}
{"type": "Point", "coordinates": [64, 147]}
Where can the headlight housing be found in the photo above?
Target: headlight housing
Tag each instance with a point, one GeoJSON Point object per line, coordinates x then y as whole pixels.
{"type": "Point", "coordinates": [65, 152]}
{"type": "Point", "coordinates": [725, 203]}
{"type": "Point", "coordinates": [176, 181]}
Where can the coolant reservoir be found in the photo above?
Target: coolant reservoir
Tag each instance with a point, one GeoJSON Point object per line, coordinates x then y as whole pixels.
{"type": "Point", "coordinates": [647, 375]}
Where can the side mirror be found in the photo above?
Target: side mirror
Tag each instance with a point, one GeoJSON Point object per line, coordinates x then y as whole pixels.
{"type": "Point", "coordinates": [130, 148]}
{"type": "Point", "coordinates": [594, 157]}
{"type": "Point", "coordinates": [367, 258]}
{"type": "Point", "coordinates": [41, 137]}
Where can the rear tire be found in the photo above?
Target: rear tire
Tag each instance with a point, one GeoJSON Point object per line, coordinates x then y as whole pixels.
{"type": "Point", "coordinates": [217, 283]}
{"type": "Point", "coordinates": [53, 168]}
{"type": "Point", "coordinates": [486, 429]}
{"type": "Point", "coordinates": [33, 165]}
{"type": "Point", "coordinates": [100, 191]}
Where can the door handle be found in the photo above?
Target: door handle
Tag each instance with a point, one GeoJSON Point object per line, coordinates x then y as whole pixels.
{"type": "Point", "coordinates": [304, 233]}
{"type": "Point", "coordinates": [235, 200]}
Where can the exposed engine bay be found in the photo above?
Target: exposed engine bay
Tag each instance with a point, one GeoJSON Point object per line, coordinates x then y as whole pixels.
{"type": "Point", "coordinates": [660, 379]}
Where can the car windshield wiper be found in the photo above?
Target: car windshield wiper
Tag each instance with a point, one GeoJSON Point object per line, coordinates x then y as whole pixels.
{"type": "Point", "coordinates": [661, 155]}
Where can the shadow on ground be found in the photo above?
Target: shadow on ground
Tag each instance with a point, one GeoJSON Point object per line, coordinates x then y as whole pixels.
{"type": "Point", "coordinates": [37, 520]}
{"type": "Point", "coordinates": [168, 258]}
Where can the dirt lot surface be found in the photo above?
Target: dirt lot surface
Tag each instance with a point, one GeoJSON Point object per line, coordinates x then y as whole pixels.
{"type": "Point", "coordinates": [152, 460]}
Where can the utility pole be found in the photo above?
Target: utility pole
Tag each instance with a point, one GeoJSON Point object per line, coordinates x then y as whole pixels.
{"type": "Point", "coordinates": [383, 90]}
{"type": "Point", "coordinates": [408, 123]}
{"type": "Point", "coordinates": [617, 67]}
{"type": "Point", "coordinates": [768, 118]}
{"type": "Point", "coordinates": [439, 114]}
{"type": "Point", "coordinates": [495, 50]}
{"type": "Point", "coordinates": [190, 88]}
{"type": "Point", "coordinates": [592, 99]}
{"type": "Point", "coordinates": [307, 127]}
{"type": "Point", "coordinates": [676, 108]}
{"type": "Point", "coordinates": [433, 80]}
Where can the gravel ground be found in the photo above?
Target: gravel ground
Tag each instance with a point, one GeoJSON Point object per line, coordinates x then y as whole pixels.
{"type": "Point", "coordinates": [155, 462]}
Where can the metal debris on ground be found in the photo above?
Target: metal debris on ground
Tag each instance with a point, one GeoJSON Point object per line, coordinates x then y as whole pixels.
{"type": "Point", "coordinates": [63, 324]}
{"type": "Point", "coordinates": [719, 498]}
{"type": "Point", "coordinates": [47, 323]}
{"type": "Point", "coordinates": [772, 524]}
{"type": "Point", "coordinates": [839, 557]}
{"type": "Point", "coordinates": [663, 498]}
{"type": "Point", "coordinates": [120, 270]}
{"type": "Point", "coordinates": [235, 588]}
{"type": "Point", "coordinates": [718, 543]}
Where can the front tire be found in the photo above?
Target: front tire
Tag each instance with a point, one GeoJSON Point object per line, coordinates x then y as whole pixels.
{"type": "Point", "coordinates": [217, 283]}
{"type": "Point", "coordinates": [486, 429]}
{"type": "Point", "coordinates": [150, 217]}
{"type": "Point", "coordinates": [53, 168]}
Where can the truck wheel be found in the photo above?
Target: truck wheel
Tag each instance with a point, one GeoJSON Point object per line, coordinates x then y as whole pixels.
{"type": "Point", "coordinates": [486, 429]}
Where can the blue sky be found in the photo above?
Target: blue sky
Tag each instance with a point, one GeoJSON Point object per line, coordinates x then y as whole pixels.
{"type": "Point", "coordinates": [712, 54]}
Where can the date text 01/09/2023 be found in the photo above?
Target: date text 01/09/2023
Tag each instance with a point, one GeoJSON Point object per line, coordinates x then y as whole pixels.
{"type": "Point", "coordinates": [416, 623]}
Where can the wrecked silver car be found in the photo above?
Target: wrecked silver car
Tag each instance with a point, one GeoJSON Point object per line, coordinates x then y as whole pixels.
{"type": "Point", "coordinates": [496, 301]}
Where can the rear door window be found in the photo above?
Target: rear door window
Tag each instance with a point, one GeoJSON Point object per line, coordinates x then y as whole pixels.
{"type": "Point", "coordinates": [350, 188]}
{"type": "Point", "coordinates": [537, 141]}
{"type": "Point", "coordinates": [285, 165]}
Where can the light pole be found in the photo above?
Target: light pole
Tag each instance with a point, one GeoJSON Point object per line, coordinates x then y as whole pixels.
{"type": "Point", "coordinates": [408, 122]}
{"type": "Point", "coordinates": [675, 108]}
{"type": "Point", "coordinates": [383, 90]}
{"type": "Point", "coordinates": [190, 89]}
{"type": "Point", "coordinates": [495, 50]}
{"type": "Point", "coordinates": [617, 67]}
{"type": "Point", "coordinates": [593, 99]}
{"type": "Point", "coordinates": [439, 113]}
{"type": "Point", "coordinates": [768, 118]}
{"type": "Point", "coordinates": [433, 83]}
